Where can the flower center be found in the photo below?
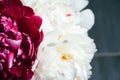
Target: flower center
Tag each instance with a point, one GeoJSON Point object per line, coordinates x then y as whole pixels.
{"type": "Point", "coordinates": [66, 57]}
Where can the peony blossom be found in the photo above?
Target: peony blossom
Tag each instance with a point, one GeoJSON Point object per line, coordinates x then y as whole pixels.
{"type": "Point", "coordinates": [65, 57]}
{"type": "Point", "coordinates": [19, 40]}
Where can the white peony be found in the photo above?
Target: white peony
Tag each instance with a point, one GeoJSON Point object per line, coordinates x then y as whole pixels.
{"type": "Point", "coordinates": [65, 57]}
{"type": "Point", "coordinates": [67, 50]}
{"type": "Point", "coordinates": [65, 15]}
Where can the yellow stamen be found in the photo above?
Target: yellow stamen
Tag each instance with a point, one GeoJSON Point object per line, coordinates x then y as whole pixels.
{"type": "Point", "coordinates": [59, 37]}
{"type": "Point", "coordinates": [66, 57]}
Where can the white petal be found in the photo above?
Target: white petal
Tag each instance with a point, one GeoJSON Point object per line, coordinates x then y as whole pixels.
{"type": "Point", "coordinates": [87, 19]}
{"type": "Point", "coordinates": [80, 4]}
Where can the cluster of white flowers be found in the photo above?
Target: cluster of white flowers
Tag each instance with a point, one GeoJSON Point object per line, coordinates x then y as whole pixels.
{"type": "Point", "coordinates": [67, 50]}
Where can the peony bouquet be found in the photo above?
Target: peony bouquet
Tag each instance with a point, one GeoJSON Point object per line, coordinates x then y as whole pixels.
{"type": "Point", "coordinates": [65, 52]}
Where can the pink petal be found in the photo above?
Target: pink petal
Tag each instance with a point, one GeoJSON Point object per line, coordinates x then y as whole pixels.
{"type": "Point", "coordinates": [22, 72]}
{"type": "Point", "coordinates": [14, 8]}
{"type": "Point", "coordinates": [27, 26]}
{"type": "Point", "coordinates": [16, 70]}
{"type": "Point", "coordinates": [10, 59]}
{"type": "Point", "coordinates": [1, 67]}
{"type": "Point", "coordinates": [28, 11]}
{"type": "Point", "coordinates": [2, 5]}
{"type": "Point", "coordinates": [15, 44]}
{"type": "Point", "coordinates": [37, 21]}
{"type": "Point", "coordinates": [2, 55]}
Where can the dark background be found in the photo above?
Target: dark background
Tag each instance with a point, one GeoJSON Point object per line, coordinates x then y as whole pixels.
{"type": "Point", "coordinates": [106, 33]}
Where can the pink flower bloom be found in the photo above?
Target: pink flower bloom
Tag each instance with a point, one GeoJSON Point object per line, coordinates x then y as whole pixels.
{"type": "Point", "coordinates": [19, 40]}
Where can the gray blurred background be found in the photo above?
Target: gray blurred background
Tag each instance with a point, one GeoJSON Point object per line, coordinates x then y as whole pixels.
{"type": "Point", "coordinates": [106, 33]}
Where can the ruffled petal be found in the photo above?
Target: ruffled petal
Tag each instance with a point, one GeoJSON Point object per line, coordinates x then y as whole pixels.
{"type": "Point", "coordinates": [37, 21]}
{"type": "Point", "coordinates": [28, 49]}
{"type": "Point", "coordinates": [14, 44]}
{"type": "Point", "coordinates": [28, 11]}
{"type": "Point", "coordinates": [14, 8]}
{"type": "Point", "coordinates": [22, 72]}
{"type": "Point", "coordinates": [27, 26]}
{"type": "Point", "coordinates": [10, 59]}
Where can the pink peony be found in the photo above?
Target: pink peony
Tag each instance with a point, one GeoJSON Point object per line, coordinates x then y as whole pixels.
{"type": "Point", "coordinates": [19, 40]}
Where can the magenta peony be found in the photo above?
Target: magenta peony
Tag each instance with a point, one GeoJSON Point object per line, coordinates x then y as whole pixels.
{"type": "Point", "coordinates": [19, 40]}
